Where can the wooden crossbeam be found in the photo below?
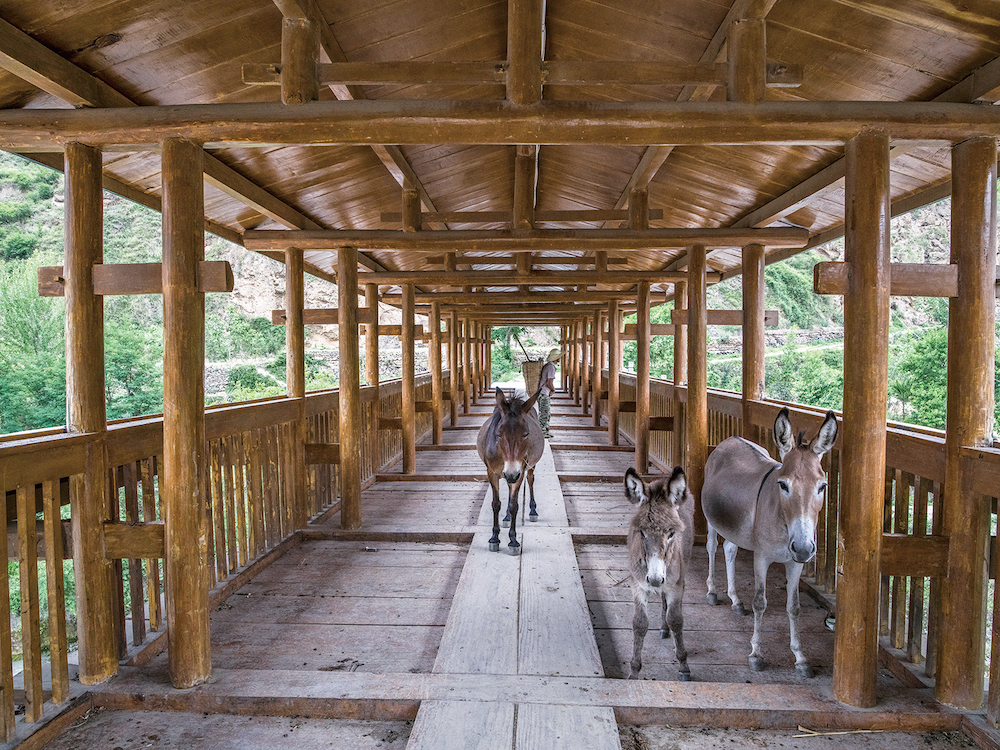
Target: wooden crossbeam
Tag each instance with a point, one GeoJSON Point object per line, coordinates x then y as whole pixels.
{"type": "Point", "coordinates": [553, 72]}
{"type": "Point", "coordinates": [723, 317]}
{"type": "Point", "coordinates": [535, 278]}
{"type": "Point", "coordinates": [390, 423]}
{"type": "Point", "coordinates": [397, 330]}
{"type": "Point", "coordinates": [321, 316]}
{"type": "Point", "coordinates": [322, 453]}
{"type": "Point", "coordinates": [468, 261]}
{"type": "Point", "coordinates": [501, 217]}
{"type": "Point", "coordinates": [662, 424]}
{"type": "Point", "coordinates": [655, 329]}
{"type": "Point", "coordinates": [922, 556]}
{"type": "Point", "coordinates": [521, 241]}
{"type": "Point", "coordinates": [125, 541]}
{"type": "Point", "coordinates": [906, 279]}
{"type": "Point", "coordinates": [425, 122]}
{"type": "Point", "coordinates": [136, 278]}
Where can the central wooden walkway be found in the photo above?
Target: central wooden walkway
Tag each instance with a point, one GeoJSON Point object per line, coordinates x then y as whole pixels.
{"type": "Point", "coordinates": [412, 618]}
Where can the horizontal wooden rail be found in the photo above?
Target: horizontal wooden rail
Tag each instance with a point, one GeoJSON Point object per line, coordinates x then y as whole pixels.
{"type": "Point", "coordinates": [321, 316]}
{"type": "Point", "coordinates": [136, 278]}
{"type": "Point", "coordinates": [122, 540]}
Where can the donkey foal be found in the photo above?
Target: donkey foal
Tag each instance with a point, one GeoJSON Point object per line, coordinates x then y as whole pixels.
{"type": "Point", "coordinates": [660, 539]}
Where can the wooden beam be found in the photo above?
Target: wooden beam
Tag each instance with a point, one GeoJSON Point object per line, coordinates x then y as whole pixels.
{"type": "Point", "coordinates": [521, 241]}
{"type": "Point", "coordinates": [723, 317]}
{"type": "Point", "coordinates": [299, 78]}
{"type": "Point", "coordinates": [504, 217]}
{"type": "Point", "coordinates": [416, 122]}
{"type": "Point", "coordinates": [642, 381]}
{"type": "Point", "coordinates": [437, 380]}
{"type": "Point", "coordinates": [350, 426]}
{"type": "Point", "coordinates": [136, 278]}
{"type": "Point", "coordinates": [696, 409]}
{"type": "Point", "coordinates": [124, 541]}
{"type": "Point", "coordinates": [866, 331]}
{"type": "Point", "coordinates": [408, 384]}
{"type": "Point", "coordinates": [369, 315]}
{"type": "Point", "coordinates": [183, 482]}
{"type": "Point", "coordinates": [754, 342]}
{"type": "Point", "coordinates": [525, 180]}
{"type": "Point", "coordinates": [614, 363]}
{"type": "Point", "coordinates": [536, 278]}
{"type": "Point", "coordinates": [662, 424]}
{"type": "Point", "coordinates": [905, 279]}
{"type": "Point", "coordinates": [323, 316]}
{"type": "Point", "coordinates": [655, 329]}
{"type": "Point", "coordinates": [747, 58]}
{"type": "Point", "coordinates": [919, 556]}
{"type": "Point", "coordinates": [525, 29]}
{"type": "Point", "coordinates": [295, 379]}
{"type": "Point", "coordinates": [322, 453]}
{"type": "Point", "coordinates": [470, 299]}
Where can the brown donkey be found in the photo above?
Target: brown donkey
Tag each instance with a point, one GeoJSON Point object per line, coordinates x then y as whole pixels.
{"type": "Point", "coordinates": [769, 508]}
{"type": "Point", "coordinates": [510, 443]}
{"type": "Point", "coordinates": [660, 539]}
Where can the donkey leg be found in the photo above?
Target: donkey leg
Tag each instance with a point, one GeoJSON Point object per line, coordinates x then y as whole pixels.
{"type": "Point", "coordinates": [760, 566]}
{"type": "Point", "coordinates": [712, 545]}
{"type": "Point", "coordinates": [731, 549]}
{"type": "Point", "coordinates": [793, 571]}
{"type": "Point", "coordinates": [673, 621]}
{"type": "Point", "coordinates": [532, 513]}
{"type": "Point", "coordinates": [640, 624]}
{"type": "Point", "coordinates": [495, 539]}
{"type": "Point", "coordinates": [513, 547]}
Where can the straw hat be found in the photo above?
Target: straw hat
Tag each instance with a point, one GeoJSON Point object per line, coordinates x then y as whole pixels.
{"type": "Point", "coordinates": [554, 355]}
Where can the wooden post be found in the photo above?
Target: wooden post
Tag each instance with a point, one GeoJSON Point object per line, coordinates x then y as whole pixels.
{"type": "Point", "coordinates": [753, 333]}
{"type": "Point", "coordinates": [453, 366]}
{"type": "Point", "coordinates": [350, 389]}
{"type": "Point", "coordinates": [577, 361]}
{"type": "Point", "coordinates": [182, 488]}
{"type": "Point", "coordinates": [409, 413]}
{"type": "Point", "coordinates": [299, 61]}
{"type": "Point", "coordinates": [747, 61]}
{"type": "Point", "coordinates": [466, 365]}
{"type": "Point", "coordinates": [586, 369]}
{"type": "Point", "coordinates": [85, 411]}
{"type": "Point", "coordinates": [642, 380]}
{"type": "Point", "coordinates": [680, 335]}
{"type": "Point", "coordinates": [411, 208]}
{"type": "Point", "coordinates": [477, 362]}
{"type": "Point", "coordinates": [525, 163]}
{"type": "Point", "coordinates": [697, 403]}
{"type": "Point", "coordinates": [295, 377]}
{"type": "Point", "coordinates": [564, 358]}
{"type": "Point", "coordinates": [595, 387]}
{"type": "Point", "coordinates": [524, 50]}
{"type": "Point", "coordinates": [437, 402]}
{"type": "Point", "coordinates": [971, 319]}
{"type": "Point", "coordinates": [614, 348]}
{"type": "Point", "coordinates": [866, 342]}
{"type": "Point", "coordinates": [488, 381]}
{"type": "Point", "coordinates": [371, 337]}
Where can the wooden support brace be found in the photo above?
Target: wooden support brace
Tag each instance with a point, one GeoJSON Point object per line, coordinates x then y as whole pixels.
{"type": "Point", "coordinates": [127, 541]}
{"type": "Point", "coordinates": [655, 329]}
{"type": "Point", "coordinates": [321, 316]}
{"type": "Point", "coordinates": [905, 279]}
{"type": "Point", "coordinates": [627, 407]}
{"type": "Point", "coordinates": [322, 453]}
{"type": "Point", "coordinates": [664, 424]}
{"type": "Point", "coordinates": [426, 406]}
{"type": "Point", "coordinates": [136, 278]}
{"type": "Point", "coordinates": [723, 317]}
{"type": "Point", "coordinates": [919, 556]}
{"type": "Point", "coordinates": [390, 423]}
{"type": "Point", "coordinates": [397, 330]}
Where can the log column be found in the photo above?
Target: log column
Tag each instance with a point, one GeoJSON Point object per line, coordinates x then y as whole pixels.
{"type": "Point", "coordinates": [586, 377]}
{"type": "Point", "coordinates": [753, 333]}
{"type": "Point", "coordinates": [642, 338]}
{"type": "Point", "coordinates": [299, 61]}
{"type": "Point", "coordinates": [409, 414]}
{"type": "Point", "coordinates": [577, 362]}
{"type": "Point", "coordinates": [371, 338]}
{"type": "Point", "coordinates": [866, 346]}
{"type": "Point", "coordinates": [453, 366]}
{"type": "Point", "coordinates": [747, 61]}
{"type": "Point", "coordinates": [350, 389]}
{"type": "Point", "coordinates": [182, 488]}
{"type": "Point", "coordinates": [971, 325]}
{"type": "Point", "coordinates": [696, 427]}
{"type": "Point", "coordinates": [488, 357]}
{"type": "Point", "coordinates": [598, 351]}
{"type": "Point", "coordinates": [680, 335]}
{"type": "Point", "coordinates": [614, 360]}
{"type": "Point", "coordinates": [564, 359]}
{"type": "Point", "coordinates": [477, 361]}
{"type": "Point", "coordinates": [295, 376]}
{"type": "Point", "coordinates": [85, 411]}
{"type": "Point", "coordinates": [437, 401]}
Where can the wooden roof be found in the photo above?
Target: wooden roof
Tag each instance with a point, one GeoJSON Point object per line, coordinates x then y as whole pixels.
{"type": "Point", "coordinates": [155, 53]}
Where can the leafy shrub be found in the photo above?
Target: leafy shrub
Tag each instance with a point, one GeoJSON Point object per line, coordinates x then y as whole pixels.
{"type": "Point", "coordinates": [13, 212]}
{"type": "Point", "coordinates": [248, 378]}
{"type": "Point", "coordinates": [17, 245]}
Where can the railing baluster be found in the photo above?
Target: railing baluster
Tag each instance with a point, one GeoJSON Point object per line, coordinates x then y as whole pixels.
{"type": "Point", "coordinates": [147, 473]}
{"type": "Point", "coordinates": [56, 592]}
{"type": "Point", "coordinates": [137, 610]}
{"type": "Point", "coordinates": [31, 647]}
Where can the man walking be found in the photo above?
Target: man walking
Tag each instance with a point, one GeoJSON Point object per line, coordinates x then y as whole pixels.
{"type": "Point", "coordinates": [547, 380]}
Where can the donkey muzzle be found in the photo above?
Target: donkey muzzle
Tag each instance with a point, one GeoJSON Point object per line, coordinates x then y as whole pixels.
{"type": "Point", "coordinates": [802, 550]}
{"type": "Point", "coordinates": [656, 572]}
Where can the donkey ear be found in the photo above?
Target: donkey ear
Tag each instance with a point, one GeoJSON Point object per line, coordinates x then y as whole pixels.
{"type": "Point", "coordinates": [531, 401]}
{"type": "Point", "coordinates": [783, 433]}
{"type": "Point", "coordinates": [501, 399]}
{"type": "Point", "coordinates": [827, 435]}
{"type": "Point", "coordinates": [677, 487]}
{"type": "Point", "coordinates": [635, 488]}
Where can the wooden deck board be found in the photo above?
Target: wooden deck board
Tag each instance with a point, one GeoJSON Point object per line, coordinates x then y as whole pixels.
{"type": "Point", "coordinates": [455, 725]}
{"type": "Point", "coordinates": [553, 727]}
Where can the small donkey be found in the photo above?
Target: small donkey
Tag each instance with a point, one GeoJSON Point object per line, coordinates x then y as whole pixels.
{"type": "Point", "coordinates": [660, 539]}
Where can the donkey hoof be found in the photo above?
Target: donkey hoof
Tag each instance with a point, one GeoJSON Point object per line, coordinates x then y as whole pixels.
{"type": "Point", "coordinates": [740, 610]}
{"type": "Point", "coordinates": [532, 516]}
{"type": "Point", "coordinates": [685, 676]}
{"type": "Point", "coordinates": [494, 546]}
{"type": "Point", "coordinates": [514, 548]}
{"type": "Point", "coordinates": [804, 670]}
{"type": "Point", "coordinates": [664, 632]}
{"type": "Point", "coordinates": [505, 523]}
{"type": "Point", "coordinates": [714, 600]}
{"type": "Point", "coordinates": [757, 663]}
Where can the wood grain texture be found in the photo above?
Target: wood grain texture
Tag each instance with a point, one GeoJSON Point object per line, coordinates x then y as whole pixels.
{"type": "Point", "coordinates": [460, 725]}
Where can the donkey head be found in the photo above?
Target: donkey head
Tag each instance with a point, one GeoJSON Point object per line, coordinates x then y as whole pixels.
{"type": "Point", "coordinates": [801, 481]}
{"type": "Point", "coordinates": [655, 536]}
{"type": "Point", "coordinates": [512, 434]}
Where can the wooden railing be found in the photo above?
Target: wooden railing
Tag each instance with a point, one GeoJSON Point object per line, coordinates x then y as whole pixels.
{"type": "Point", "coordinates": [914, 554]}
{"type": "Point", "coordinates": [250, 488]}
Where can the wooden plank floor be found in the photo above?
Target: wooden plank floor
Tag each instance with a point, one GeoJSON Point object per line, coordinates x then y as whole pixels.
{"type": "Point", "coordinates": [412, 618]}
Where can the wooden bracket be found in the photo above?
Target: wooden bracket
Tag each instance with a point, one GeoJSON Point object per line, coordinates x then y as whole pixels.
{"type": "Point", "coordinates": [724, 317]}
{"type": "Point", "coordinates": [321, 316]}
{"type": "Point", "coordinates": [136, 278]}
{"type": "Point", "coordinates": [664, 424]}
{"type": "Point", "coordinates": [919, 556]}
{"type": "Point", "coordinates": [397, 330]}
{"type": "Point", "coordinates": [905, 279]}
{"type": "Point", "coordinates": [655, 329]}
{"type": "Point", "coordinates": [322, 453]}
{"type": "Point", "coordinates": [390, 423]}
{"type": "Point", "coordinates": [626, 407]}
{"type": "Point", "coordinates": [126, 541]}
{"type": "Point", "coordinates": [423, 406]}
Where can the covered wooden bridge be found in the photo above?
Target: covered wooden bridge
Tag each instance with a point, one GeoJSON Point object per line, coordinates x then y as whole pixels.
{"type": "Point", "coordinates": [488, 163]}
